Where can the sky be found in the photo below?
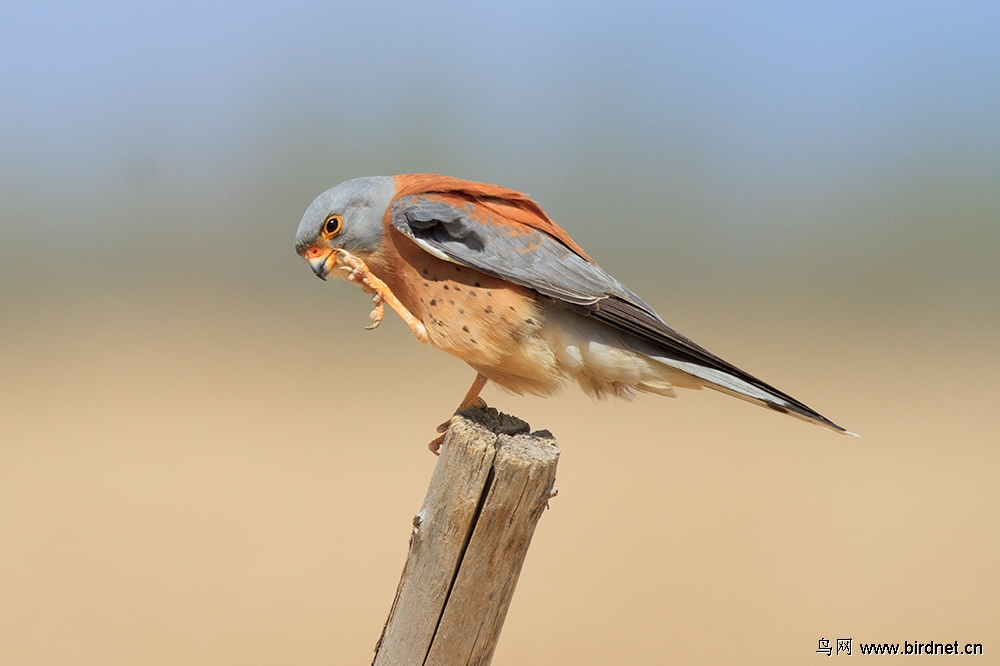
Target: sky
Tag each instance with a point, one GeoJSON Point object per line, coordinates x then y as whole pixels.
{"type": "Point", "coordinates": [759, 93]}
{"type": "Point", "coordinates": [727, 132]}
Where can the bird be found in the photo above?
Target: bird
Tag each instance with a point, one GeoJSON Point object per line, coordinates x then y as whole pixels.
{"type": "Point", "coordinates": [480, 272]}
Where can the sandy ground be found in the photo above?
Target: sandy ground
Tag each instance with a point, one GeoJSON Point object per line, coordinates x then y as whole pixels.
{"type": "Point", "coordinates": [224, 479]}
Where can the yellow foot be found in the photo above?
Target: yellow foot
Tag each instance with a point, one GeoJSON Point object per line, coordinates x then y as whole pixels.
{"type": "Point", "coordinates": [443, 428]}
{"type": "Point", "coordinates": [357, 272]}
{"type": "Point", "coordinates": [377, 312]}
{"type": "Point", "coordinates": [478, 402]}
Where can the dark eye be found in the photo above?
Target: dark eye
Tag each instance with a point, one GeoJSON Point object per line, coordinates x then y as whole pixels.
{"type": "Point", "coordinates": [332, 226]}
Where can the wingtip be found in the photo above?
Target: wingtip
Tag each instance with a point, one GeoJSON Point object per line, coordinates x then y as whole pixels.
{"type": "Point", "coordinates": [830, 425]}
{"type": "Point", "coordinates": [827, 424]}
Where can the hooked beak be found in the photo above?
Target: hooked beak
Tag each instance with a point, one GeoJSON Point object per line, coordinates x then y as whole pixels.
{"type": "Point", "coordinates": [320, 260]}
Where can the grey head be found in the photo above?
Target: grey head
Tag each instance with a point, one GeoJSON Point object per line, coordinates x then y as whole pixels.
{"type": "Point", "coordinates": [360, 204]}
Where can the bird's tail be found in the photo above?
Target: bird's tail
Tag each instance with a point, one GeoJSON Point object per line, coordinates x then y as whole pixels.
{"type": "Point", "coordinates": [756, 392]}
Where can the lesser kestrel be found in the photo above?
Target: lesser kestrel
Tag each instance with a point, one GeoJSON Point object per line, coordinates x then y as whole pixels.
{"type": "Point", "coordinates": [481, 272]}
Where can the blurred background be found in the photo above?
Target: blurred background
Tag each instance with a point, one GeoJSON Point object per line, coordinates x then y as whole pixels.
{"type": "Point", "coordinates": [205, 459]}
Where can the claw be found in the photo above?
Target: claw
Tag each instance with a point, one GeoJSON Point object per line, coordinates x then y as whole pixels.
{"type": "Point", "coordinates": [376, 316]}
{"type": "Point", "coordinates": [357, 272]}
{"type": "Point", "coordinates": [377, 313]}
{"type": "Point", "coordinates": [468, 402]}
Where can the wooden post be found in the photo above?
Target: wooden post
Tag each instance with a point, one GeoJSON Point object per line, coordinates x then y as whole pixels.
{"type": "Point", "coordinates": [490, 486]}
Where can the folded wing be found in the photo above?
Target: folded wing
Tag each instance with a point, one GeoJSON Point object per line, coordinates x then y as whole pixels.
{"type": "Point", "coordinates": [511, 238]}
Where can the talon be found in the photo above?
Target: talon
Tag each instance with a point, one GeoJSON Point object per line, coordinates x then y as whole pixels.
{"type": "Point", "coordinates": [376, 316]}
{"type": "Point", "coordinates": [436, 444]}
{"type": "Point", "coordinates": [443, 428]}
{"type": "Point", "coordinates": [357, 272]}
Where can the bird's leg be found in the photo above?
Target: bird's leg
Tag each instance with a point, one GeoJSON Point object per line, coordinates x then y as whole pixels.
{"type": "Point", "coordinates": [357, 272]}
{"type": "Point", "coordinates": [471, 398]}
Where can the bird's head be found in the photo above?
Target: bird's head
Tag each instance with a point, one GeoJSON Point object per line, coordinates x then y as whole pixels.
{"type": "Point", "coordinates": [349, 217]}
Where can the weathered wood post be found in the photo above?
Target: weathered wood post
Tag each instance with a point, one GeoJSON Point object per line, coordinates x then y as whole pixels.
{"type": "Point", "coordinates": [491, 484]}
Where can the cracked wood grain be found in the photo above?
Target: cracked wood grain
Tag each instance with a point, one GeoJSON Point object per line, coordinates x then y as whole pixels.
{"type": "Point", "coordinates": [491, 484]}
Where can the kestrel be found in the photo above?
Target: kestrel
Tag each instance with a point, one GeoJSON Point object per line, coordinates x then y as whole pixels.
{"type": "Point", "coordinates": [481, 272]}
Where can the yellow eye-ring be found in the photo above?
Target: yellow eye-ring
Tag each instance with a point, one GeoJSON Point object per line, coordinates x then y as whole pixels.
{"type": "Point", "coordinates": [332, 226]}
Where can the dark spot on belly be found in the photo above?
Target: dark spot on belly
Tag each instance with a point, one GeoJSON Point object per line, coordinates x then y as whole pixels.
{"type": "Point", "coordinates": [465, 328]}
{"type": "Point", "coordinates": [472, 340]}
{"type": "Point", "coordinates": [489, 309]}
{"type": "Point", "coordinates": [426, 284]}
{"type": "Point", "coordinates": [421, 299]}
{"type": "Point", "coordinates": [461, 311]}
{"type": "Point", "coordinates": [489, 293]}
{"type": "Point", "coordinates": [529, 321]}
{"type": "Point", "coordinates": [424, 271]}
{"type": "Point", "coordinates": [472, 293]}
{"type": "Point", "coordinates": [458, 268]}
{"type": "Point", "coordinates": [446, 286]}
{"type": "Point", "coordinates": [477, 284]}
{"type": "Point", "coordinates": [450, 302]}
{"type": "Point", "coordinates": [457, 288]}
{"type": "Point", "coordinates": [511, 307]}
{"type": "Point", "coordinates": [434, 301]}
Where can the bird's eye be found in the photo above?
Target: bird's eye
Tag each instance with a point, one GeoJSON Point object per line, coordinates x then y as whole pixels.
{"type": "Point", "coordinates": [332, 226]}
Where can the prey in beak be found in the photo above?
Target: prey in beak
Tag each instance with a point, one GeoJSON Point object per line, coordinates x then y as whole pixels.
{"type": "Point", "coordinates": [321, 261]}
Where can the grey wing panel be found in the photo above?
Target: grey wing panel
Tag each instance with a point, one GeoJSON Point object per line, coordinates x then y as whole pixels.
{"type": "Point", "coordinates": [525, 256]}
{"type": "Point", "coordinates": [533, 259]}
